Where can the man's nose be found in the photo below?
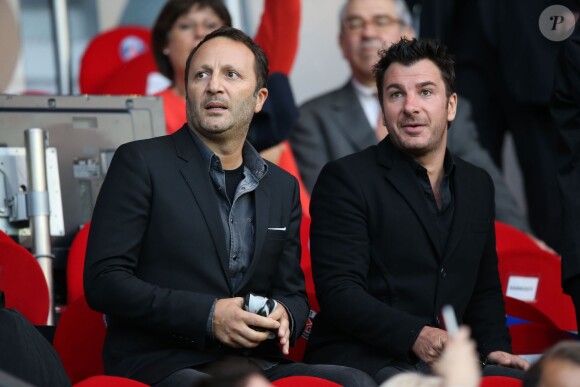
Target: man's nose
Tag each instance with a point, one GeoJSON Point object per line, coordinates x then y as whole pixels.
{"type": "Point", "coordinates": [369, 30]}
{"type": "Point", "coordinates": [214, 85]}
{"type": "Point", "coordinates": [410, 104]}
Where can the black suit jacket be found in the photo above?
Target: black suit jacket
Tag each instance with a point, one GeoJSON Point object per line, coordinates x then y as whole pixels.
{"type": "Point", "coordinates": [157, 257]}
{"type": "Point", "coordinates": [379, 272]}
{"type": "Point", "coordinates": [334, 125]}
{"type": "Point", "coordinates": [565, 110]}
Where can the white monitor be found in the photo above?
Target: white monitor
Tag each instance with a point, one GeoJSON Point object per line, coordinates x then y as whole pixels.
{"type": "Point", "coordinates": [85, 131]}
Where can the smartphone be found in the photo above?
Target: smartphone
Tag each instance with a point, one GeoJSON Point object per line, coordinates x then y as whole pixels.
{"type": "Point", "coordinates": [449, 320]}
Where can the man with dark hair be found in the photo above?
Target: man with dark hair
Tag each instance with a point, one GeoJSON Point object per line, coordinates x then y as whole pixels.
{"type": "Point", "coordinates": [188, 225]}
{"type": "Point", "coordinates": [403, 228]}
{"type": "Point", "coordinates": [558, 367]}
{"type": "Point", "coordinates": [346, 120]}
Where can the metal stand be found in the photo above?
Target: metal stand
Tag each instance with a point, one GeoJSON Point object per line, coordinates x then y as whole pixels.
{"type": "Point", "coordinates": [37, 205]}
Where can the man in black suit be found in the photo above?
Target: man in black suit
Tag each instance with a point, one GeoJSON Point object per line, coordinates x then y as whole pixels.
{"type": "Point", "coordinates": [403, 228]}
{"type": "Point", "coordinates": [344, 120]}
{"type": "Point", "coordinates": [186, 225]}
{"type": "Point", "coordinates": [565, 109]}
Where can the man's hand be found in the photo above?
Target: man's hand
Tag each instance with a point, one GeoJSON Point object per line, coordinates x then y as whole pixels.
{"type": "Point", "coordinates": [232, 325]}
{"type": "Point", "coordinates": [508, 360]}
{"type": "Point", "coordinates": [429, 344]}
{"type": "Point", "coordinates": [279, 314]}
{"type": "Point", "coordinates": [459, 364]}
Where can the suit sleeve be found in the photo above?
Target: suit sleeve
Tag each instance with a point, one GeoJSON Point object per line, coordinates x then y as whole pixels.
{"type": "Point", "coordinates": [464, 143]}
{"type": "Point", "coordinates": [485, 313]}
{"type": "Point", "coordinates": [565, 108]}
{"type": "Point", "coordinates": [306, 138]}
{"type": "Point", "coordinates": [341, 261]}
{"type": "Point", "coordinates": [118, 229]}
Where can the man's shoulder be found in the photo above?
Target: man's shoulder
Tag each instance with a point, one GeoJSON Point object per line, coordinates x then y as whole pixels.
{"type": "Point", "coordinates": [467, 170]}
{"type": "Point", "coordinates": [357, 161]}
{"type": "Point", "coordinates": [148, 143]}
{"type": "Point", "coordinates": [326, 99]}
{"type": "Point", "coordinates": [279, 174]}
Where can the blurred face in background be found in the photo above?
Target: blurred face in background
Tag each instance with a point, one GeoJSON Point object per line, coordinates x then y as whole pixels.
{"type": "Point", "coordinates": [187, 31]}
{"type": "Point", "coordinates": [368, 26]}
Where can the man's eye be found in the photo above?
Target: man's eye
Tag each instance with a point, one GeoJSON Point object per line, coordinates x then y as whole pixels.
{"type": "Point", "coordinates": [355, 23]}
{"type": "Point", "coordinates": [396, 94]}
{"type": "Point", "coordinates": [232, 74]}
{"type": "Point", "coordinates": [426, 92]}
{"type": "Point", "coordinates": [201, 75]}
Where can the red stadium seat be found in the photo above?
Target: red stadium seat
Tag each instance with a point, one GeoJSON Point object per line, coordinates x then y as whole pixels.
{"type": "Point", "coordinates": [109, 54]}
{"type": "Point", "coordinates": [79, 339]}
{"type": "Point", "coordinates": [500, 381]}
{"type": "Point", "coordinates": [305, 381]}
{"type": "Point", "coordinates": [533, 275]}
{"type": "Point", "coordinates": [23, 282]}
{"type": "Point", "coordinates": [76, 263]}
{"type": "Point", "coordinates": [109, 381]}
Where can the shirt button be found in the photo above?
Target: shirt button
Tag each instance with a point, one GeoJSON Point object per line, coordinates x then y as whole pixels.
{"type": "Point", "coordinates": [235, 257]}
{"type": "Point", "coordinates": [231, 220]}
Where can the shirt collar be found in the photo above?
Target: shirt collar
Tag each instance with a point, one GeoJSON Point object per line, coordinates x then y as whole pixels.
{"type": "Point", "coordinates": [364, 90]}
{"type": "Point", "coordinates": [448, 164]}
{"type": "Point", "coordinates": [252, 159]}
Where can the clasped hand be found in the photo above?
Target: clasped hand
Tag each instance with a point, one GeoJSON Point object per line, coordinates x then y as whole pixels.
{"type": "Point", "coordinates": [430, 344]}
{"type": "Point", "coordinates": [235, 327]}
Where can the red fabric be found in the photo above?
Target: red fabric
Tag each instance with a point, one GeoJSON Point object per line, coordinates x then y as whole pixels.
{"type": "Point", "coordinates": [304, 381]}
{"type": "Point", "coordinates": [287, 162]}
{"type": "Point", "coordinates": [279, 32]}
{"type": "Point", "coordinates": [109, 381]}
{"type": "Point", "coordinates": [534, 338]}
{"type": "Point", "coordinates": [174, 108]}
{"type": "Point", "coordinates": [510, 239]}
{"type": "Point", "coordinates": [76, 263]}
{"type": "Point", "coordinates": [108, 52]}
{"type": "Point", "coordinates": [79, 339]}
{"type": "Point", "coordinates": [130, 78]}
{"type": "Point", "coordinates": [500, 381]}
{"type": "Point", "coordinates": [524, 311]}
{"type": "Point", "coordinates": [23, 282]}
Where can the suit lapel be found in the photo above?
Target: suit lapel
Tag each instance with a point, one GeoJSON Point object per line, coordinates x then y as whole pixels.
{"type": "Point", "coordinates": [351, 119]}
{"type": "Point", "coordinates": [262, 205]}
{"type": "Point", "coordinates": [199, 182]}
{"type": "Point", "coordinates": [400, 174]}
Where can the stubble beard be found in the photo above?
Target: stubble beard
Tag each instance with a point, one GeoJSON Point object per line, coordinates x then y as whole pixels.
{"type": "Point", "coordinates": [240, 116]}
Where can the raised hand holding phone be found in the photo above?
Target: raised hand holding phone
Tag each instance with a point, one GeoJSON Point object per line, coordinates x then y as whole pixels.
{"type": "Point", "coordinates": [449, 320]}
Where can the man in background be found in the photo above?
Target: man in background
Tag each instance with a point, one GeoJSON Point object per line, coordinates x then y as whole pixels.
{"type": "Point", "coordinates": [348, 120]}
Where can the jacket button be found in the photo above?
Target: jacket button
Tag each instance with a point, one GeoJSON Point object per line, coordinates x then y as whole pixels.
{"type": "Point", "coordinates": [443, 273]}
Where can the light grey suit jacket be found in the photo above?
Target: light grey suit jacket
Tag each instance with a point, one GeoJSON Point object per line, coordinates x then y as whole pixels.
{"type": "Point", "coordinates": [334, 125]}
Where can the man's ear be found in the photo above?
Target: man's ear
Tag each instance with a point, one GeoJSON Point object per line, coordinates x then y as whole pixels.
{"type": "Point", "coordinates": [451, 107]}
{"type": "Point", "coordinates": [261, 96]}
